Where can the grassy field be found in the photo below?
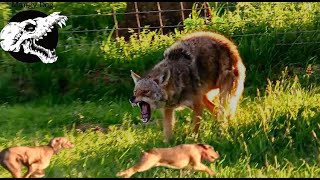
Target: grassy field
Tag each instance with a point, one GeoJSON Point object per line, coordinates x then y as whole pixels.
{"type": "Point", "coordinates": [274, 135]}
{"type": "Point", "coordinates": [277, 125]}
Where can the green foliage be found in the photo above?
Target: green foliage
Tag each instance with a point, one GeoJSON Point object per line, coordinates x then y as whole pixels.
{"type": "Point", "coordinates": [5, 14]}
{"type": "Point", "coordinates": [4, 17]}
{"type": "Point", "coordinates": [103, 72]}
{"type": "Point", "coordinates": [129, 54]}
{"type": "Point", "coordinates": [264, 18]}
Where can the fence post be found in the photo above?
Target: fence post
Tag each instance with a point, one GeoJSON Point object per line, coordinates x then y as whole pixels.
{"type": "Point", "coordinates": [205, 12]}
{"type": "Point", "coordinates": [227, 7]}
{"type": "Point", "coordinates": [182, 11]}
{"type": "Point", "coordinates": [160, 18]}
{"type": "Point", "coordinates": [116, 23]}
{"type": "Point", "coordinates": [137, 17]}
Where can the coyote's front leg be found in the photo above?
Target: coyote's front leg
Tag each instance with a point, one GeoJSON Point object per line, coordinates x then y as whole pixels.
{"type": "Point", "coordinates": [168, 123]}
{"type": "Point", "coordinates": [197, 114]}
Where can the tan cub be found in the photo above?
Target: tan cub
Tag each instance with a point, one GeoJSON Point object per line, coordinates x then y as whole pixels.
{"type": "Point", "coordinates": [177, 157]}
{"type": "Point", "coordinates": [35, 158]}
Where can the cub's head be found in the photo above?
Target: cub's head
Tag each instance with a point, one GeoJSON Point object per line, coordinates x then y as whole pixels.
{"type": "Point", "coordinates": [59, 143]}
{"type": "Point", "coordinates": [148, 93]}
{"type": "Point", "coordinates": [208, 153]}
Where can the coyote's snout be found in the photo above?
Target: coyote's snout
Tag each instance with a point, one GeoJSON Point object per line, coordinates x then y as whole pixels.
{"type": "Point", "coordinates": [191, 68]}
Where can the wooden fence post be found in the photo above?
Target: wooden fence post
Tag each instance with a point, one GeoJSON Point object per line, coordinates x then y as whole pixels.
{"type": "Point", "coordinates": [137, 17]}
{"type": "Point", "coordinates": [116, 23]}
{"type": "Point", "coordinates": [204, 6]}
{"type": "Point", "coordinates": [227, 7]}
{"type": "Point", "coordinates": [182, 11]}
{"type": "Point", "coordinates": [160, 18]}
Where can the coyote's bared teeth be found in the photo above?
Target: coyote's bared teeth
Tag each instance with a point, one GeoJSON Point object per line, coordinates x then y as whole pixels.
{"type": "Point", "coordinates": [145, 120]}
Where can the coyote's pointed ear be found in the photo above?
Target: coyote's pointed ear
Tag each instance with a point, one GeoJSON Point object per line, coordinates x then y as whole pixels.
{"type": "Point", "coordinates": [164, 78]}
{"type": "Point", "coordinates": [135, 77]}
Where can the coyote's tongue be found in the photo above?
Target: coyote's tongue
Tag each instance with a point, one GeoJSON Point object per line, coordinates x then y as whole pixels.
{"type": "Point", "coordinates": [145, 111]}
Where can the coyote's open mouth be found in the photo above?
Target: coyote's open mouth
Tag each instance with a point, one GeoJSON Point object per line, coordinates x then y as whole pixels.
{"type": "Point", "coordinates": [145, 111]}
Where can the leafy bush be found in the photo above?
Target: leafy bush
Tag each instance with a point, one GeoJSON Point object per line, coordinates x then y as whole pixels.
{"type": "Point", "coordinates": [4, 17]}
{"type": "Point", "coordinates": [5, 14]}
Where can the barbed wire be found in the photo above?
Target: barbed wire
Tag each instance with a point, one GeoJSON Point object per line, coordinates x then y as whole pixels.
{"type": "Point", "coordinates": [276, 33]}
{"type": "Point", "coordinates": [296, 43]}
{"type": "Point", "coordinates": [278, 44]}
{"type": "Point", "coordinates": [210, 23]}
{"type": "Point", "coordinates": [239, 35]}
{"type": "Point", "coordinates": [109, 29]}
{"type": "Point", "coordinates": [141, 12]}
{"type": "Point", "coordinates": [85, 44]}
{"type": "Point", "coordinates": [207, 23]}
{"type": "Point", "coordinates": [177, 10]}
{"type": "Point", "coordinates": [67, 46]}
{"type": "Point", "coordinates": [173, 26]}
{"type": "Point", "coordinates": [123, 13]}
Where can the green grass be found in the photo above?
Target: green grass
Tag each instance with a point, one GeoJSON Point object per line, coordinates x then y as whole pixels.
{"type": "Point", "coordinates": [275, 134]}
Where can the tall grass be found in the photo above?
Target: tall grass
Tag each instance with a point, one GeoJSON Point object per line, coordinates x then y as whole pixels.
{"type": "Point", "coordinates": [91, 73]}
{"type": "Point", "coordinates": [274, 134]}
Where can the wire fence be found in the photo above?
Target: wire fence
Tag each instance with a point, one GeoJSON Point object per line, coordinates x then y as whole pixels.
{"type": "Point", "coordinates": [203, 7]}
{"type": "Point", "coordinates": [160, 13]}
{"type": "Point", "coordinates": [175, 26]}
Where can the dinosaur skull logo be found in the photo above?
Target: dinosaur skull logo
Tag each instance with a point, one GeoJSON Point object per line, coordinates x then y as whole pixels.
{"type": "Point", "coordinates": [36, 37]}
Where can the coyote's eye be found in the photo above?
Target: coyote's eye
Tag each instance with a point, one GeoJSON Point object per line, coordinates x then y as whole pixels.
{"type": "Point", "coordinates": [146, 92]}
